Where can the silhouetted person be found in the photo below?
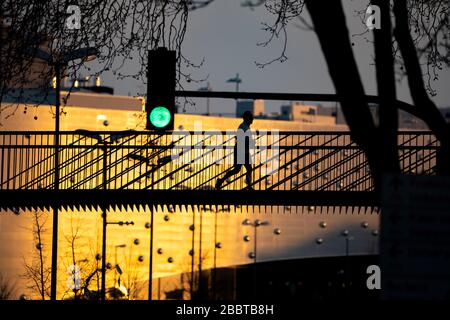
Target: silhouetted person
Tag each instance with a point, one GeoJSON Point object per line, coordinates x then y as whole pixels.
{"type": "Point", "coordinates": [242, 154]}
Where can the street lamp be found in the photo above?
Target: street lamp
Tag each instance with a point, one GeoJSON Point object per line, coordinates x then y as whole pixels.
{"type": "Point", "coordinates": [87, 54]}
{"type": "Point", "coordinates": [217, 245]}
{"type": "Point", "coordinates": [236, 80]}
{"type": "Point", "coordinates": [207, 88]}
{"type": "Point", "coordinates": [200, 255]}
{"type": "Point", "coordinates": [150, 266]}
{"type": "Point", "coordinates": [104, 265]}
{"type": "Point", "coordinates": [257, 223]}
{"type": "Point", "coordinates": [192, 228]}
{"type": "Point", "coordinates": [104, 143]}
{"type": "Point", "coordinates": [348, 238]}
{"type": "Point", "coordinates": [115, 260]}
{"type": "Point", "coordinates": [151, 226]}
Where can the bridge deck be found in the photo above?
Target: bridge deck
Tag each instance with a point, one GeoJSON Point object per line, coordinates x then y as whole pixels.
{"type": "Point", "coordinates": [181, 168]}
{"type": "Point", "coordinates": [85, 199]}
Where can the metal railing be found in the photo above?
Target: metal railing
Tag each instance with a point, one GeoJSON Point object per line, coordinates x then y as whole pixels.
{"type": "Point", "coordinates": [312, 161]}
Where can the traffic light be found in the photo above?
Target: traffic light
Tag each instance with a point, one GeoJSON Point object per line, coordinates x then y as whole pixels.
{"type": "Point", "coordinates": [160, 107]}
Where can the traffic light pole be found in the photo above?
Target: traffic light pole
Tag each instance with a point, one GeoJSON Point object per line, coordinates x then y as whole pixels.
{"type": "Point", "coordinates": [150, 271]}
{"type": "Point", "coordinates": [104, 221]}
{"type": "Point", "coordinates": [54, 269]}
{"type": "Point", "coordinates": [160, 109]}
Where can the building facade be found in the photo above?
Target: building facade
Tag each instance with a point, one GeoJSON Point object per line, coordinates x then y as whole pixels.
{"type": "Point", "coordinates": [217, 240]}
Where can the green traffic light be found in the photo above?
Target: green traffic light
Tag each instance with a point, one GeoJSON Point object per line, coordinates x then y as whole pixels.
{"type": "Point", "coordinates": [160, 117]}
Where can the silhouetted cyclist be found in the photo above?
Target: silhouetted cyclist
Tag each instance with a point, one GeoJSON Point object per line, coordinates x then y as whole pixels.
{"type": "Point", "coordinates": [242, 154]}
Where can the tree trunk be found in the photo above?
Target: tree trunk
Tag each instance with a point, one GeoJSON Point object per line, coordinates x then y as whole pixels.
{"type": "Point", "coordinates": [425, 106]}
{"type": "Point", "coordinates": [388, 121]}
{"type": "Point", "coordinates": [331, 28]}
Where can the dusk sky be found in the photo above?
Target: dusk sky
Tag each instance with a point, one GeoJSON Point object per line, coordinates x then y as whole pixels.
{"type": "Point", "coordinates": [226, 35]}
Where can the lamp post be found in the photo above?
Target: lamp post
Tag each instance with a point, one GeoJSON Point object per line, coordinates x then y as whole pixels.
{"type": "Point", "coordinates": [348, 238]}
{"type": "Point", "coordinates": [347, 262]}
{"type": "Point", "coordinates": [200, 283]}
{"type": "Point", "coordinates": [150, 267]}
{"type": "Point", "coordinates": [257, 223]}
{"type": "Point", "coordinates": [151, 226]}
{"type": "Point", "coordinates": [104, 143]}
{"type": "Point", "coordinates": [105, 223]}
{"type": "Point", "coordinates": [207, 88]}
{"type": "Point", "coordinates": [193, 254]}
{"type": "Point", "coordinates": [236, 80]}
{"type": "Point", "coordinates": [216, 246]}
{"type": "Point", "coordinates": [87, 54]}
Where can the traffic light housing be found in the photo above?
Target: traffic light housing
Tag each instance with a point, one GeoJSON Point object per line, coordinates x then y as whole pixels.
{"type": "Point", "coordinates": [161, 79]}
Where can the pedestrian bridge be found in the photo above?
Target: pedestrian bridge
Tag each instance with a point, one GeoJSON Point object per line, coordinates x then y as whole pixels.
{"type": "Point", "coordinates": [131, 168]}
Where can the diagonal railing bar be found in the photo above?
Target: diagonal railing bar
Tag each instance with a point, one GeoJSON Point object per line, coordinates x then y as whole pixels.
{"type": "Point", "coordinates": [408, 152]}
{"type": "Point", "coordinates": [64, 164]}
{"type": "Point", "coordinates": [354, 169]}
{"type": "Point", "coordinates": [403, 156]}
{"type": "Point", "coordinates": [185, 166]}
{"type": "Point", "coordinates": [329, 169]}
{"type": "Point", "coordinates": [97, 160]}
{"type": "Point", "coordinates": [239, 176]}
{"type": "Point", "coordinates": [368, 177]}
{"type": "Point", "coordinates": [123, 159]}
{"type": "Point", "coordinates": [158, 166]}
{"type": "Point", "coordinates": [153, 155]}
{"type": "Point", "coordinates": [310, 166]}
{"type": "Point", "coordinates": [301, 156]}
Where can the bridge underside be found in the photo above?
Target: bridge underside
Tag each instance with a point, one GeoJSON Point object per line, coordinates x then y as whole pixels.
{"type": "Point", "coordinates": [124, 199]}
